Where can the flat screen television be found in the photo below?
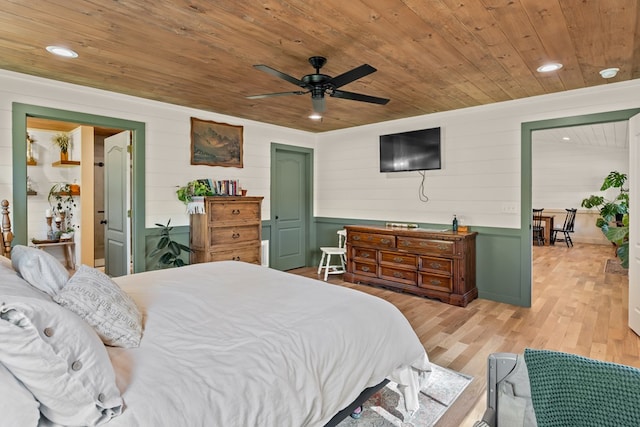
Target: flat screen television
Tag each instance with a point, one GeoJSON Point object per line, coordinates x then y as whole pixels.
{"type": "Point", "coordinates": [410, 151]}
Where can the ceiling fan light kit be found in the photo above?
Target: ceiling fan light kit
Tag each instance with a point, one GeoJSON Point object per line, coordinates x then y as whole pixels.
{"type": "Point", "coordinates": [319, 85]}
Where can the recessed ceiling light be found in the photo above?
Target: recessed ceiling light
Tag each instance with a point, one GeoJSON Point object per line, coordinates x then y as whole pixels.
{"type": "Point", "coordinates": [566, 138]}
{"type": "Point", "coordinates": [608, 73]}
{"type": "Point", "coordinates": [315, 116]}
{"type": "Point", "coordinates": [546, 68]}
{"type": "Point", "coordinates": [62, 51]}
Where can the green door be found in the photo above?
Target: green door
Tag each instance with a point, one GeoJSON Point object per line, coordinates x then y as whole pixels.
{"type": "Point", "coordinates": [290, 207]}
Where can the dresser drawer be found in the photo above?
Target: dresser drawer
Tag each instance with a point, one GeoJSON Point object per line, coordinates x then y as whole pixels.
{"type": "Point", "coordinates": [233, 211]}
{"type": "Point", "coordinates": [249, 254]}
{"type": "Point", "coordinates": [436, 247]}
{"type": "Point", "coordinates": [364, 253]}
{"type": "Point", "coordinates": [436, 265]}
{"type": "Point", "coordinates": [398, 258]}
{"type": "Point", "coordinates": [371, 240]}
{"type": "Point", "coordinates": [435, 282]}
{"type": "Point", "coordinates": [232, 235]}
{"type": "Point", "coordinates": [365, 269]}
{"type": "Point", "coordinates": [410, 277]}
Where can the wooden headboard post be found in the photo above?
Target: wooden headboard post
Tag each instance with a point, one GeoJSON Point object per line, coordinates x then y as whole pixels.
{"type": "Point", "coordinates": [7, 236]}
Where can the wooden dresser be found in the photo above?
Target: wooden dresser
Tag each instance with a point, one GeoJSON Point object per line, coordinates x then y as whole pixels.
{"type": "Point", "coordinates": [434, 264]}
{"type": "Point", "coordinates": [230, 229]}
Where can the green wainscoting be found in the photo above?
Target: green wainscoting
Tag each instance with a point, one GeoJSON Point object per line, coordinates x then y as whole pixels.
{"type": "Point", "coordinates": [498, 254]}
{"type": "Point", "coordinates": [498, 257]}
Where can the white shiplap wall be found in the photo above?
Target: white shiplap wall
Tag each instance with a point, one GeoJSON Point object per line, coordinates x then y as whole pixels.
{"type": "Point", "coordinates": [480, 178]}
{"type": "Point", "coordinates": [167, 140]}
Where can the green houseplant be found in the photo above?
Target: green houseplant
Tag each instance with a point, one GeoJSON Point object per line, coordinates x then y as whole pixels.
{"type": "Point", "coordinates": [63, 142]}
{"type": "Point", "coordinates": [616, 210]}
{"type": "Point", "coordinates": [168, 249]}
{"type": "Point", "coordinates": [192, 189]}
{"type": "Point", "coordinates": [62, 202]}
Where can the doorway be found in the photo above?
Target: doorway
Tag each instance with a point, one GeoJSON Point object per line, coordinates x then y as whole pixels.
{"type": "Point", "coordinates": [526, 207]}
{"type": "Point", "coordinates": [291, 206]}
{"type": "Point", "coordinates": [22, 112]}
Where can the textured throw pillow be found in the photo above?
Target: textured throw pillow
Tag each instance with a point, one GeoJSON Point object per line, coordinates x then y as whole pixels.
{"type": "Point", "coordinates": [41, 269]}
{"type": "Point", "coordinates": [17, 405]}
{"type": "Point", "coordinates": [60, 360]}
{"type": "Point", "coordinates": [96, 298]}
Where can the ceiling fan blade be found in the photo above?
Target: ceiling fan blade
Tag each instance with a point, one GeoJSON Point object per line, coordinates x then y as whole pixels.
{"type": "Point", "coordinates": [281, 75]}
{"type": "Point", "coordinates": [350, 76]}
{"type": "Point", "coordinates": [358, 97]}
{"type": "Point", "coordinates": [319, 104]}
{"type": "Point", "coordinates": [270, 95]}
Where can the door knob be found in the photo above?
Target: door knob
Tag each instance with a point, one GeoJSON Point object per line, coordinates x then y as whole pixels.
{"type": "Point", "coordinates": [104, 221]}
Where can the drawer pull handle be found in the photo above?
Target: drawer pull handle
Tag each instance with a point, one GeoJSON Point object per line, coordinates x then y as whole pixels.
{"type": "Point", "coordinates": [365, 255]}
{"type": "Point", "coordinates": [398, 259]}
{"type": "Point", "coordinates": [442, 247]}
{"type": "Point", "coordinates": [356, 237]}
{"type": "Point", "coordinates": [435, 265]}
{"type": "Point", "coordinates": [385, 241]}
{"type": "Point", "coordinates": [405, 243]}
{"type": "Point", "coordinates": [235, 212]}
{"type": "Point", "coordinates": [365, 269]}
{"type": "Point", "coordinates": [235, 236]}
{"type": "Point", "coordinates": [435, 282]}
{"type": "Point", "coordinates": [398, 275]}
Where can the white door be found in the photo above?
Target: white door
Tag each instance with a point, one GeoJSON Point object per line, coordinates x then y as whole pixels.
{"type": "Point", "coordinates": [634, 222]}
{"type": "Point", "coordinates": [117, 242]}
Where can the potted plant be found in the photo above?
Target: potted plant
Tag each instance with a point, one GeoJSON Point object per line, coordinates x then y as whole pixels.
{"type": "Point", "coordinates": [62, 204]}
{"type": "Point", "coordinates": [613, 211]}
{"type": "Point", "coordinates": [63, 142]}
{"type": "Point", "coordinates": [195, 188]}
{"type": "Point", "coordinates": [169, 248]}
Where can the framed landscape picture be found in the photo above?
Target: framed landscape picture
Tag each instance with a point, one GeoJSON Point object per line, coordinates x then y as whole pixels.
{"type": "Point", "coordinates": [215, 144]}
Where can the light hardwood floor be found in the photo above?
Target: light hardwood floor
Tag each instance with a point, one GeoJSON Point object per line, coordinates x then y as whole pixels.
{"type": "Point", "coordinates": [576, 308]}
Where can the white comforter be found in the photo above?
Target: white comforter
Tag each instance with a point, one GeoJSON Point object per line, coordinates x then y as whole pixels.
{"type": "Point", "coordinates": [233, 344]}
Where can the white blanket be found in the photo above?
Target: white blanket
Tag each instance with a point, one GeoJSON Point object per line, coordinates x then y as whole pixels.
{"type": "Point", "coordinates": [234, 344]}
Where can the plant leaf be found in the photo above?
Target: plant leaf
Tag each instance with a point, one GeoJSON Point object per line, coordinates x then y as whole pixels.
{"type": "Point", "coordinates": [174, 248]}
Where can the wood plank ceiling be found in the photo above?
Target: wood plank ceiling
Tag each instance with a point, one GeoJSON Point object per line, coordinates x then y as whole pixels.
{"type": "Point", "coordinates": [431, 55]}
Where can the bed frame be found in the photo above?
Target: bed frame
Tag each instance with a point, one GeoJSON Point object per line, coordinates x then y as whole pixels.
{"type": "Point", "coordinates": [6, 236]}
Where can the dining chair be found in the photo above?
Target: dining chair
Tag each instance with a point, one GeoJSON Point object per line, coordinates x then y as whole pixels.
{"type": "Point", "coordinates": [538, 228]}
{"type": "Point", "coordinates": [566, 230]}
{"type": "Point", "coordinates": [328, 251]}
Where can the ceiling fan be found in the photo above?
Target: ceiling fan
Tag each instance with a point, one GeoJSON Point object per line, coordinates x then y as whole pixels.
{"type": "Point", "coordinates": [320, 84]}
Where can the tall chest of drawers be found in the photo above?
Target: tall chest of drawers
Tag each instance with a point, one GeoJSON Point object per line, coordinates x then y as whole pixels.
{"type": "Point", "coordinates": [436, 264]}
{"type": "Point", "coordinates": [230, 229]}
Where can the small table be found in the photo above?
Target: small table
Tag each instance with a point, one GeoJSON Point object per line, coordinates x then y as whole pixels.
{"type": "Point", "coordinates": [548, 227]}
{"type": "Point", "coordinates": [68, 249]}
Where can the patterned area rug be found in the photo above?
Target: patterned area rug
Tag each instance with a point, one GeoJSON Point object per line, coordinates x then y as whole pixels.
{"type": "Point", "coordinates": [613, 266]}
{"type": "Point", "coordinates": [386, 407]}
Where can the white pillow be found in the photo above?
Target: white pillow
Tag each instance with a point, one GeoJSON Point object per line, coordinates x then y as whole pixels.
{"type": "Point", "coordinates": [60, 360]}
{"type": "Point", "coordinates": [39, 268]}
{"type": "Point", "coordinates": [96, 298]}
{"type": "Point", "coordinates": [13, 287]}
{"type": "Point", "coordinates": [17, 405]}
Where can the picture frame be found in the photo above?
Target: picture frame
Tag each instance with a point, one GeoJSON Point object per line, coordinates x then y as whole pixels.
{"type": "Point", "coordinates": [216, 144]}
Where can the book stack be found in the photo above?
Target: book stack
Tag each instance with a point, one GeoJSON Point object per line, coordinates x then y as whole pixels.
{"type": "Point", "coordinates": [225, 187]}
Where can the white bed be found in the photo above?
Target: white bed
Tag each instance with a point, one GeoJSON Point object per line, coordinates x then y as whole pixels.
{"type": "Point", "coordinates": [236, 344]}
